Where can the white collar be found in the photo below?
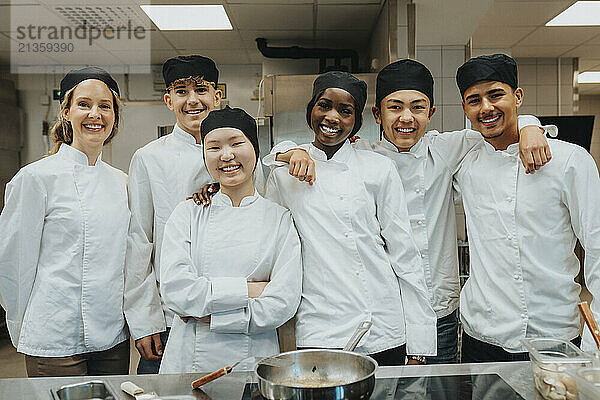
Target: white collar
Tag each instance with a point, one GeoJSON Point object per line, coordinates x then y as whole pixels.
{"type": "Point", "coordinates": [341, 156]}
{"type": "Point", "coordinates": [183, 136]}
{"type": "Point", "coordinates": [68, 152]}
{"type": "Point", "coordinates": [223, 200]}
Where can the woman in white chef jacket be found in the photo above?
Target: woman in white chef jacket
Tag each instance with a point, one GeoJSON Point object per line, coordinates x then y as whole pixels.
{"type": "Point", "coordinates": [63, 241]}
{"type": "Point", "coordinates": [231, 272]}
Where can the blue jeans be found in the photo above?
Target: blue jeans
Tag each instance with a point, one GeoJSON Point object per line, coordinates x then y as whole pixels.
{"type": "Point", "coordinates": [447, 340]}
{"type": "Point", "coordinates": [152, 366]}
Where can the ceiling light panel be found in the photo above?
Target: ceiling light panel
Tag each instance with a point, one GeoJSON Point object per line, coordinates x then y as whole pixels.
{"type": "Point", "coordinates": [589, 77]}
{"type": "Point", "coordinates": [188, 17]}
{"type": "Point", "coordinates": [582, 13]}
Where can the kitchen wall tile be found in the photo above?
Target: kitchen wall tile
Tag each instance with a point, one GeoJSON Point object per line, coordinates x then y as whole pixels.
{"type": "Point", "coordinates": [432, 59]}
{"type": "Point", "coordinates": [546, 74]}
{"type": "Point", "coordinates": [452, 58]}
{"type": "Point", "coordinates": [546, 95]}
{"type": "Point", "coordinates": [453, 118]}
{"type": "Point", "coordinates": [530, 97]}
{"type": "Point", "coordinates": [527, 74]}
{"type": "Point", "coordinates": [450, 93]}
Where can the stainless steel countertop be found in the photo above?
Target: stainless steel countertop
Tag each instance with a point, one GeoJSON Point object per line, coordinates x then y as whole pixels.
{"type": "Point", "coordinates": [231, 387]}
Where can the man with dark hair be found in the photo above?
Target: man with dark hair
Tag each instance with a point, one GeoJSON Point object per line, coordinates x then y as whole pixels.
{"type": "Point", "coordinates": [522, 228]}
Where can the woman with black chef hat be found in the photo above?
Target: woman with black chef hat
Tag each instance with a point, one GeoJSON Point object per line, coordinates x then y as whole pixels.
{"type": "Point", "coordinates": [63, 241]}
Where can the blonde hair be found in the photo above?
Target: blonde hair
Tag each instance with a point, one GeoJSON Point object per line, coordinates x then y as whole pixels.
{"type": "Point", "coordinates": [62, 131]}
{"type": "Point", "coordinates": [198, 80]}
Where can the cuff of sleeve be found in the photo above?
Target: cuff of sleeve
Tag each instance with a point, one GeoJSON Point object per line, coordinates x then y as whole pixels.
{"type": "Point", "coordinates": [527, 120]}
{"type": "Point", "coordinates": [233, 321]}
{"type": "Point", "coordinates": [286, 145]}
{"type": "Point", "coordinates": [228, 294]}
{"type": "Point", "coordinates": [145, 323]}
{"type": "Point", "coordinates": [550, 130]}
{"type": "Point", "coordinates": [14, 330]}
{"type": "Point", "coordinates": [421, 340]}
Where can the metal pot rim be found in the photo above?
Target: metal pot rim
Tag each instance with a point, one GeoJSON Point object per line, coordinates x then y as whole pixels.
{"type": "Point", "coordinates": [368, 358]}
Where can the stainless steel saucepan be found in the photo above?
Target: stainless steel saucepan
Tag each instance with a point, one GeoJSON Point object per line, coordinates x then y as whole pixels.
{"type": "Point", "coordinates": [319, 374]}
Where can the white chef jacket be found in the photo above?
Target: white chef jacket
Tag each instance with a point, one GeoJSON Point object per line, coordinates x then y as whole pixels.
{"type": "Point", "coordinates": [209, 255]}
{"type": "Point", "coordinates": [426, 171]}
{"type": "Point", "coordinates": [359, 256]}
{"type": "Point", "coordinates": [162, 174]}
{"type": "Point", "coordinates": [62, 253]}
{"type": "Point", "coordinates": [522, 232]}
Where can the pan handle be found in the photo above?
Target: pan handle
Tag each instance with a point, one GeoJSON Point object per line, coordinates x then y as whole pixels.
{"type": "Point", "coordinates": [360, 331]}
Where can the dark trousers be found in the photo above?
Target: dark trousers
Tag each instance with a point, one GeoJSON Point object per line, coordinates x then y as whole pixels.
{"type": "Point", "coordinates": [114, 361]}
{"type": "Point", "coordinates": [152, 366]}
{"type": "Point", "coordinates": [476, 351]}
{"type": "Point", "coordinates": [391, 357]}
{"type": "Point", "coordinates": [447, 340]}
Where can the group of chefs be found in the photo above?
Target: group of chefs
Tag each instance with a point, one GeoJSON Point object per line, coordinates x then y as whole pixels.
{"type": "Point", "coordinates": [342, 231]}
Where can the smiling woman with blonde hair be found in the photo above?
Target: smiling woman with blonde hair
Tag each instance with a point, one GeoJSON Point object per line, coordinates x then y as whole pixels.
{"type": "Point", "coordinates": [63, 241]}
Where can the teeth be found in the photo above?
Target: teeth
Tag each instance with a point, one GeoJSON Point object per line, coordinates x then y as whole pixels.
{"type": "Point", "coordinates": [93, 126]}
{"type": "Point", "coordinates": [493, 119]}
{"type": "Point", "coordinates": [193, 112]}
{"type": "Point", "coordinates": [405, 130]}
{"type": "Point", "coordinates": [229, 169]}
{"type": "Point", "coordinates": [329, 130]}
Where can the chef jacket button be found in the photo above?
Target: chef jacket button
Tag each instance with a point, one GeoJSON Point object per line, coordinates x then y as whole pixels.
{"type": "Point", "coordinates": [346, 234]}
{"type": "Point", "coordinates": [420, 222]}
{"type": "Point", "coordinates": [341, 197]}
{"type": "Point", "coordinates": [508, 237]}
{"type": "Point", "coordinates": [509, 199]}
{"type": "Point", "coordinates": [417, 190]}
{"type": "Point", "coordinates": [516, 277]}
{"type": "Point", "coordinates": [357, 273]}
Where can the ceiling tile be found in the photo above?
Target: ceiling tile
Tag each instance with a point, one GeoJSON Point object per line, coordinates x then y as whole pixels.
{"type": "Point", "coordinates": [522, 13]}
{"type": "Point", "coordinates": [486, 37]}
{"type": "Point", "coordinates": [588, 64]}
{"type": "Point", "coordinates": [559, 35]}
{"type": "Point", "coordinates": [214, 40]}
{"type": "Point", "coordinates": [583, 51]}
{"type": "Point", "coordinates": [271, 17]}
{"type": "Point", "coordinates": [359, 17]}
{"type": "Point", "coordinates": [159, 42]}
{"type": "Point", "coordinates": [539, 51]}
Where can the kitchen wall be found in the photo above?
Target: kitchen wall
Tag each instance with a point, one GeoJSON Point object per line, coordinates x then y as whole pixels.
{"type": "Point", "coordinates": [539, 79]}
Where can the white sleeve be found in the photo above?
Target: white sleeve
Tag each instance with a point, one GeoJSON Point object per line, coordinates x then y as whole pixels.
{"type": "Point", "coordinates": [22, 222]}
{"type": "Point", "coordinates": [454, 146]}
{"type": "Point", "coordinates": [392, 213]}
{"type": "Point", "coordinates": [259, 178]}
{"type": "Point", "coordinates": [280, 298]}
{"type": "Point", "coordinates": [282, 147]}
{"type": "Point", "coordinates": [141, 302]}
{"type": "Point", "coordinates": [182, 289]}
{"type": "Point", "coordinates": [582, 193]}
{"type": "Point", "coordinates": [272, 191]}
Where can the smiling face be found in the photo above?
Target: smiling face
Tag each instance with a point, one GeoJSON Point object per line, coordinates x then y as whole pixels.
{"type": "Point", "coordinates": [491, 106]}
{"type": "Point", "coordinates": [404, 116]}
{"type": "Point", "coordinates": [191, 101]}
{"type": "Point", "coordinates": [91, 114]}
{"type": "Point", "coordinates": [332, 119]}
{"type": "Point", "coordinates": [230, 157]}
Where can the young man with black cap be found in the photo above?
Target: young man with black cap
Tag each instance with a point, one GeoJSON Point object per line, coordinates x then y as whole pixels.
{"type": "Point", "coordinates": [231, 271]}
{"type": "Point", "coordinates": [162, 174]}
{"type": "Point", "coordinates": [522, 228]}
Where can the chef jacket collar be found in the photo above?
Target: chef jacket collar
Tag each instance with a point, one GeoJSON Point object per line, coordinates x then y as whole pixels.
{"type": "Point", "coordinates": [341, 156]}
{"type": "Point", "coordinates": [418, 150]}
{"type": "Point", "coordinates": [182, 135]}
{"type": "Point", "coordinates": [512, 150]}
{"type": "Point", "coordinates": [222, 199]}
{"type": "Point", "coordinates": [71, 153]}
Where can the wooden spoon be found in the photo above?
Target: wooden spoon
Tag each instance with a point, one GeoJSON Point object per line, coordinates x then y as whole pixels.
{"type": "Point", "coordinates": [586, 312]}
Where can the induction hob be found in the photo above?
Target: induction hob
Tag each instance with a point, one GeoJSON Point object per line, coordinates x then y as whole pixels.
{"type": "Point", "coordinates": [451, 387]}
